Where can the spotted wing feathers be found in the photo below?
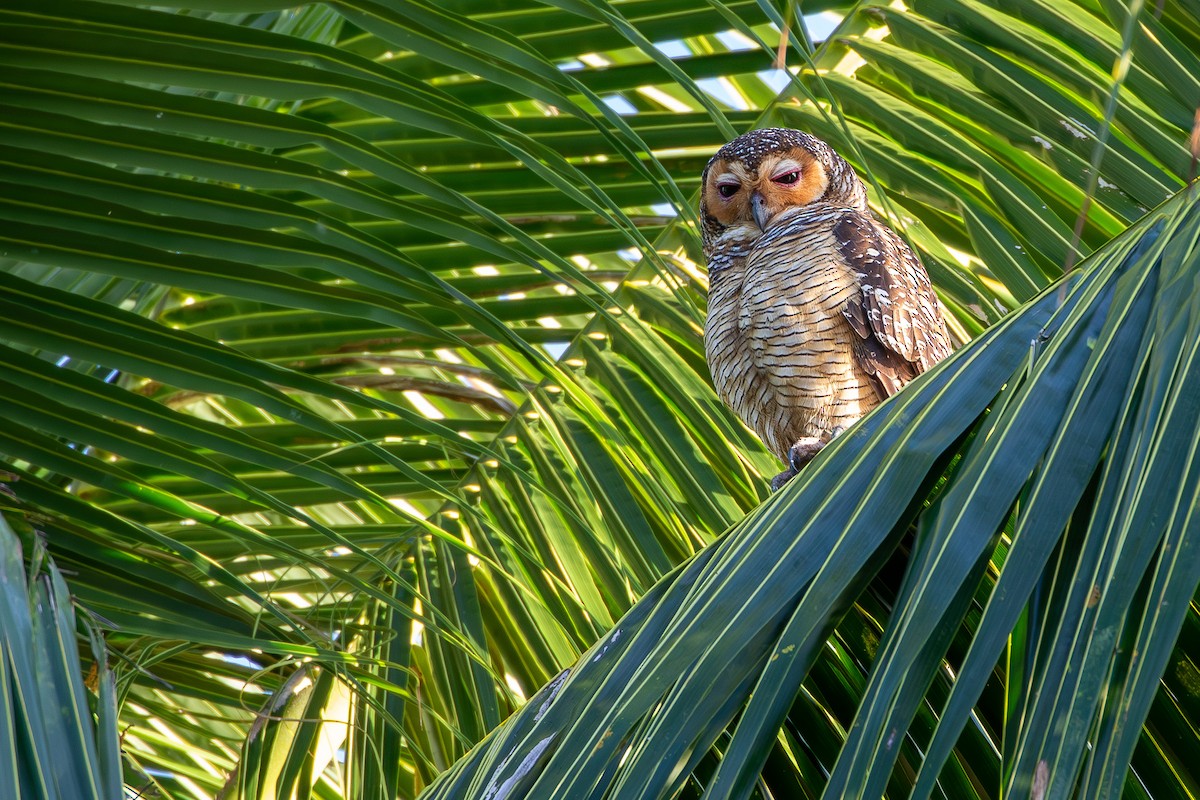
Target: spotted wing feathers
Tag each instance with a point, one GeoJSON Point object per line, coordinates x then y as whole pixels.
{"type": "Point", "coordinates": [899, 332]}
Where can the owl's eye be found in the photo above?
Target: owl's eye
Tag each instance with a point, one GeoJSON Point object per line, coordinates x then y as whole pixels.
{"type": "Point", "coordinates": [728, 189]}
{"type": "Point", "coordinates": [787, 177]}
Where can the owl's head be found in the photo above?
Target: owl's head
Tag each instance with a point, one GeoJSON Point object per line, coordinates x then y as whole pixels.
{"type": "Point", "coordinates": [761, 174]}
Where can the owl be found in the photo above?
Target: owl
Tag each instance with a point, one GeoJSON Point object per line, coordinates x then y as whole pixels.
{"type": "Point", "coordinates": [817, 311]}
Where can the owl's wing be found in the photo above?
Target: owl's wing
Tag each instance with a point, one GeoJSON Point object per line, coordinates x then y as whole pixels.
{"type": "Point", "coordinates": [899, 332]}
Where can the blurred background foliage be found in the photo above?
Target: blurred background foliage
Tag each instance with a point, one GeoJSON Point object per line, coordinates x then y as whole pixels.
{"type": "Point", "coordinates": [353, 373]}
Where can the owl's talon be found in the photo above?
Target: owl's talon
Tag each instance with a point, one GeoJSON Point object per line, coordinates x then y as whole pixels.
{"type": "Point", "coordinates": [804, 451]}
{"type": "Point", "coordinates": [799, 454]}
{"type": "Point", "coordinates": [779, 480]}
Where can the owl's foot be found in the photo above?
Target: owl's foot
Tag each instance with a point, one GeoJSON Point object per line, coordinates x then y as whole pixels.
{"type": "Point", "coordinates": [799, 454]}
{"type": "Point", "coordinates": [779, 480]}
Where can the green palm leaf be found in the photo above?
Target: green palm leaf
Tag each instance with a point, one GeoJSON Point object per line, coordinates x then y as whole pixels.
{"type": "Point", "coordinates": [60, 735]}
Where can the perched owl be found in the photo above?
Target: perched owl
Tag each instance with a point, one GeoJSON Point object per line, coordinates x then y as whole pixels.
{"type": "Point", "coordinates": [817, 311]}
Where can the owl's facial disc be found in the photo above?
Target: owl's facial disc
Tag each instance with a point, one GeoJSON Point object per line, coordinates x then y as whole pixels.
{"type": "Point", "coordinates": [727, 192]}
{"type": "Point", "coordinates": [782, 184]}
{"type": "Point", "coordinates": [789, 180]}
{"type": "Point", "coordinates": [754, 193]}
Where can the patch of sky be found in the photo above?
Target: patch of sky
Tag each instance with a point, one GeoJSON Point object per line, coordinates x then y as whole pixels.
{"type": "Point", "coordinates": [619, 104]}
{"type": "Point", "coordinates": [776, 79]}
{"type": "Point", "coordinates": [736, 41]}
{"type": "Point", "coordinates": [240, 660]}
{"type": "Point", "coordinates": [822, 24]}
{"type": "Point", "coordinates": [721, 90]}
{"type": "Point", "coordinates": [673, 48]}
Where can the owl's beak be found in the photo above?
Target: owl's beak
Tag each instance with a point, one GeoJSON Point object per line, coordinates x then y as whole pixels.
{"type": "Point", "coordinates": [758, 207]}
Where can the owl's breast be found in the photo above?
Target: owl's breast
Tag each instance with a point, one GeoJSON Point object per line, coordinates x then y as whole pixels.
{"type": "Point", "coordinates": [778, 345]}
